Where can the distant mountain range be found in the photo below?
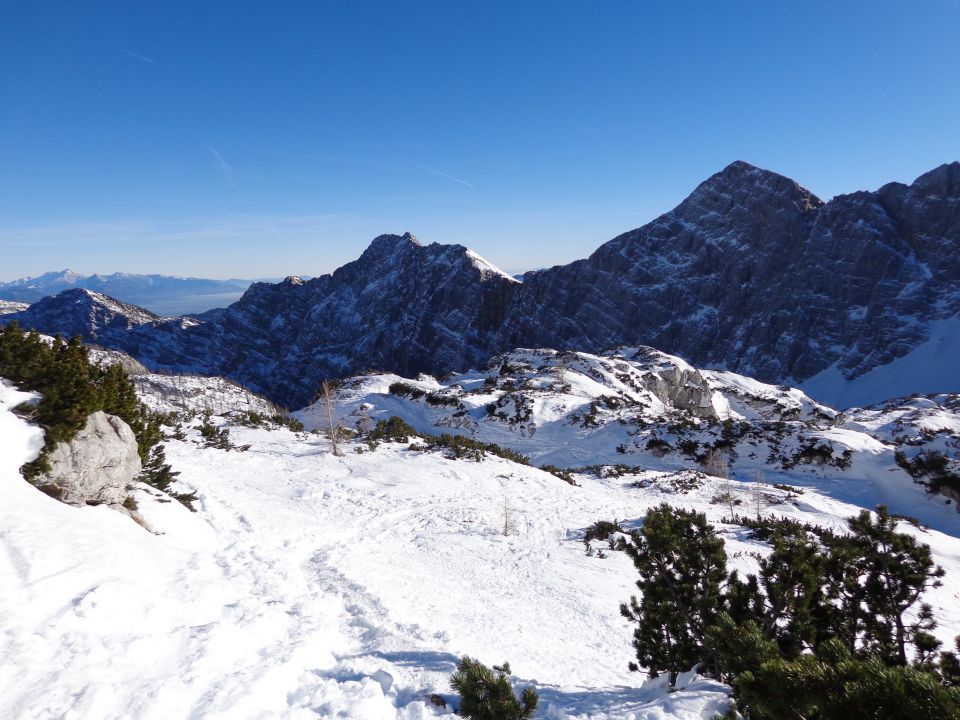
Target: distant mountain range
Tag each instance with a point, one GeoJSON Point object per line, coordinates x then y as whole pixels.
{"type": "Point", "coordinates": [855, 299]}
{"type": "Point", "coordinates": [162, 294]}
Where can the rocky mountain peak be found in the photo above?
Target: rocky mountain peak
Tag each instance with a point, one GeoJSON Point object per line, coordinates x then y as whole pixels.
{"type": "Point", "coordinates": [741, 183]}
{"type": "Point", "coordinates": [389, 244]}
{"type": "Point", "coordinates": [83, 312]}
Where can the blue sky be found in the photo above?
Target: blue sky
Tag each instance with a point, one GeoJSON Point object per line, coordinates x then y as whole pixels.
{"type": "Point", "coordinates": [252, 139]}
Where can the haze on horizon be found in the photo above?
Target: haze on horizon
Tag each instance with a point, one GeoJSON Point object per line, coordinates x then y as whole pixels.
{"type": "Point", "coordinates": [187, 141]}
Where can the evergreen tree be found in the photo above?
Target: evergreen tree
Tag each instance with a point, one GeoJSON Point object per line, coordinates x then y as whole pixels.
{"type": "Point", "coordinates": [949, 667]}
{"type": "Point", "coordinates": [682, 565]}
{"type": "Point", "coordinates": [736, 647]}
{"type": "Point", "coordinates": [898, 569]}
{"type": "Point", "coordinates": [791, 581]}
{"type": "Point", "coordinates": [156, 472]}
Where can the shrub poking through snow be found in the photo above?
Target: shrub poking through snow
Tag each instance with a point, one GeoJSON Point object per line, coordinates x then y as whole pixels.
{"type": "Point", "coordinates": [488, 694]}
{"type": "Point", "coordinates": [251, 418]}
{"type": "Point", "coordinates": [393, 430]}
{"type": "Point", "coordinates": [213, 436]}
{"type": "Point", "coordinates": [564, 475]}
{"type": "Point", "coordinates": [602, 529]}
{"type": "Point", "coordinates": [397, 430]}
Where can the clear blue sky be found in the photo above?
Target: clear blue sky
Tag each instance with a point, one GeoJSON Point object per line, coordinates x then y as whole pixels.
{"type": "Point", "coordinates": [248, 139]}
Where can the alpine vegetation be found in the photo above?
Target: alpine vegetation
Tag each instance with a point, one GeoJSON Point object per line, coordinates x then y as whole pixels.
{"type": "Point", "coordinates": [831, 624]}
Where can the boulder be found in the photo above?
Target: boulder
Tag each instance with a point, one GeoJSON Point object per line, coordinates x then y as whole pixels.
{"type": "Point", "coordinates": [96, 466]}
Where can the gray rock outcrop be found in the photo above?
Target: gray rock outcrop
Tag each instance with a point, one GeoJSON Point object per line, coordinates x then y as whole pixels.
{"type": "Point", "coordinates": [95, 467]}
{"type": "Point", "coordinates": [682, 388]}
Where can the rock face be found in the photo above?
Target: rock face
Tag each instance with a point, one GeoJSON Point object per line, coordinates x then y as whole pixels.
{"type": "Point", "coordinates": [754, 274]}
{"type": "Point", "coordinates": [675, 383]}
{"type": "Point", "coordinates": [96, 466]}
{"type": "Point", "coordinates": [751, 273]}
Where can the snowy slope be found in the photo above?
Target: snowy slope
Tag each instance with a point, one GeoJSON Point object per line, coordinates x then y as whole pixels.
{"type": "Point", "coordinates": [640, 407]}
{"type": "Point", "coordinates": [931, 367]}
{"type": "Point", "coordinates": [311, 586]}
{"type": "Point", "coordinates": [198, 394]}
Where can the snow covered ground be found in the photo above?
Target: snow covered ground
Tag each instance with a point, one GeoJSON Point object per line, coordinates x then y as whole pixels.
{"type": "Point", "coordinates": [314, 586]}
{"type": "Point", "coordinates": [198, 394]}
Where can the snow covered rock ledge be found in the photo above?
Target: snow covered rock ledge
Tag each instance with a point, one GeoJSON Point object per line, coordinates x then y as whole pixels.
{"type": "Point", "coordinates": [95, 467]}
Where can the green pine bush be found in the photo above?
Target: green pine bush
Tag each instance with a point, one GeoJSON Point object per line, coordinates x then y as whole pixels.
{"type": "Point", "coordinates": [488, 695]}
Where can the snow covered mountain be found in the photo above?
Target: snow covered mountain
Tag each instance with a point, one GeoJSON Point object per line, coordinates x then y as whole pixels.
{"type": "Point", "coordinates": [163, 294]}
{"type": "Point", "coordinates": [86, 313]}
{"type": "Point", "coordinates": [751, 273]}
{"type": "Point", "coordinates": [754, 274]}
{"type": "Point", "coordinates": [401, 304]}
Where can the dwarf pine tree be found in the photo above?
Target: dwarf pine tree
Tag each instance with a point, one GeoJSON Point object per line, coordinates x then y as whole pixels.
{"type": "Point", "coordinates": [682, 565]}
{"type": "Point", "coordinates": [835, 685]}
{"type": "Point", "coordinates": [899, 569]}
{"type": "Point", "coordinates": [488, 695]}
{"type": "Point", "coordinates": [832, 625]}
{"type": "Point", "coordinates": [791, 580]}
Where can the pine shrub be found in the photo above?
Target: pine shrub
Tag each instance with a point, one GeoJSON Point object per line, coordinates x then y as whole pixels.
{"type": "Point", "coordinates": [488, 695]}
{"type": "Point", "coordinates": [831, 626]}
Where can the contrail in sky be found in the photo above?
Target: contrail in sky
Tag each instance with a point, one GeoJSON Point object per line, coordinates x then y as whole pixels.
{"type": "Point", "coordinates": [436, 172]}
{"type": "Point", "coordinates": [225, 167]}
{"type": "Point", "coordinates": [131, 53]}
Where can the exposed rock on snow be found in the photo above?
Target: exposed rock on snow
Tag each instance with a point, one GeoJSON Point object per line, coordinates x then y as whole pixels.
{"type": "Point", "coordinates": [676, 383]}
{"type": "Point", "coordinates": [104, 358]}
{"type": "Point", "coordinates": [183, 392]}
{"type": "Point", "coordinates": [96, 466]}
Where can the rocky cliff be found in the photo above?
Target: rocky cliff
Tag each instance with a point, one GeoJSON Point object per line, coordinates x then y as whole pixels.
{"type": "Point", "coordinates": [755, 274]}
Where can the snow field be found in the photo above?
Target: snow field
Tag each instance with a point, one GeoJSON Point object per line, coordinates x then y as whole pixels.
{"type": "Point", "coordinates": [310, 586]}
